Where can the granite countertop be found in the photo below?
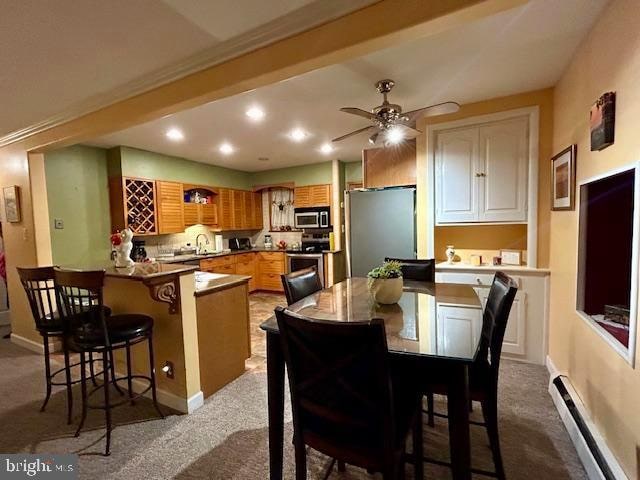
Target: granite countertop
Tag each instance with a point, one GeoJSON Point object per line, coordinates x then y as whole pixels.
{"type": "Point", "coordinates": [207, 283]}
{"type": "Point", "coordinates": [455, 266]}
{"type": "Point", "coordinates": [188, 258]}
{"type": "Point", "coordinates": [139, 271]}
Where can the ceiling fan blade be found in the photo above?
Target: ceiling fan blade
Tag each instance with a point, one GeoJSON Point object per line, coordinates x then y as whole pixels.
{"type": "Point", "coordinates": [359, 112]}
{"type": "Point", "coordinates": [438, 109]}
{"type": "Point", "coordinates": [407, 131]}
{"type": "Point", "coordinates": [362, 130]}
{"type": "Point", "coordinates": [373, 138]}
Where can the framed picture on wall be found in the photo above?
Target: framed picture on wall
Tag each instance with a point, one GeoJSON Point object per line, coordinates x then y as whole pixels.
{"type": "Point", "coordinates": [602, 121]}
{"type": "Point", "coordinates": [11, 196]}
{"type": "Point", "coordinates": [563, 179]}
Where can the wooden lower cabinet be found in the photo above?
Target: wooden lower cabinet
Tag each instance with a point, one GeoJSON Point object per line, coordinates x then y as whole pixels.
{"type": "Point", "coordinates": [264, 268]}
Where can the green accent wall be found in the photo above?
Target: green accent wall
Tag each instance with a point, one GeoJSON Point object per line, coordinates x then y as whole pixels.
{"type": "Point", "coordinates": [144, 164]}
{"type": "Point", "coordinates": [78, 194]}
{"type": "Point", "coordinates": [353, 171]}
{"type": "Point", "coordinates": [312, 174]}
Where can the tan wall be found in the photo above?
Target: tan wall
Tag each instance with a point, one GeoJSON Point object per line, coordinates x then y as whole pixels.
{"type": "Point", "coordinates": [481, 237]}
{"type": "Point", "coordinates": [541, 98]}
{"type": "Point", "coordinates": [609, 59]}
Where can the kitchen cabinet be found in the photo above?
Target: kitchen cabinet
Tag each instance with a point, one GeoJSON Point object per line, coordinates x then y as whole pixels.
{"type": "Point", "coordinates": [200, 213]}
{"type": "Point", "coordinates": [132, 203]}
{"type": "Point", "coordinates": [257, 211]}
{"type": "Point", "coordinates": [264, 268]}
{"type": "Point", "coordinates": [239, 221]}
{"type": "Point", "coordinates": [481, 172]}
{"type": "Point", "coordinates": [514, 335]}
{"type": "Point", "coordinates": [253, 210]}
{"type": "Point", "coordinates": [392, 166]}
{"type": "Point", "coordinates": [225, 206]}
{"type": "Point", "coordinates": [169, 203]}
{"type": "Point", "coordinates": [312, 196]}
{"type": "Point", "coordinates": [246, 265]}
{"type": "Point", "coordinates": [270, 266]}
{"type": "Point", "coordinates": [459, 329]}
{"type": "Point", "coordinates": [224, 264]}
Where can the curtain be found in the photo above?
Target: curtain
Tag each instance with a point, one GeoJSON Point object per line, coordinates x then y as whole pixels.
{"type": "Point", "coordinates": [281, 217]}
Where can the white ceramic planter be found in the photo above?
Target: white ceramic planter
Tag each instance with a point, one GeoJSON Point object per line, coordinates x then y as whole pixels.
{"type": "Point", "coordinates": [386, 291]}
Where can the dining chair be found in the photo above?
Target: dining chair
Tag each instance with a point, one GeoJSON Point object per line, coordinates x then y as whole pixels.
{"type": "Point", "coordinates": [483, 373]}
{"type": "Point", "coordinates": [414, 269]}
{"type": "Point", "coordinates": [300, 284]}
{"type": "Point", "coordinates": [89, 330]}
{"type": "Point", "coordinates": [346, 402]}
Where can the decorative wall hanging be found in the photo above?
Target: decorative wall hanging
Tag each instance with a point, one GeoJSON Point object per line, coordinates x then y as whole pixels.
{"type": "Point", "coordinates": [602, 119]}
{"type": "Point", "coordinates": [563, 179]}
{"type": "Point", "coordinates": [12, 203]}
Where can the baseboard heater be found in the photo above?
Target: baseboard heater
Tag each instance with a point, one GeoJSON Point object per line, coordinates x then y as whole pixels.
{"type": "Point", "coordinates": [580, 423]}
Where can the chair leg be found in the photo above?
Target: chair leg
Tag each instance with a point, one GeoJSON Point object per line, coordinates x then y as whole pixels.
{"type": "Point", "coordinates": [112, 367]}
{"type": "Point", "coordinates": [341, 466]}
{"type": "Point", "coordinates": [430, 408]}
{"type": "Point", "coordinates": [92, 371]}
{"type": "Point", "coordinates": [152, 375]}
{"type": "Point", "coordinates": [301, 461]}
{"type": "Point", "coordinates": [490, 413]}
{"type": "Point", "coordinates": [83, 388]}
{"type": "Point", "coordinates": [418, 466]}
{"type": "Point", "coordinates": [47, 371]}
{"type": "Point", "coordinates": [67, 372]}
{"type": "Point", "coordinates": [107, 403]}
{"type": "Point", "coordinates": [129, 379]}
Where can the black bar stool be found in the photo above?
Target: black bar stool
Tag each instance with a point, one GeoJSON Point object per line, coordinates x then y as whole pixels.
{"type": "Point", "coordinates": [89, 330]}
{"type": "Point", "coordinates": [38, 284]}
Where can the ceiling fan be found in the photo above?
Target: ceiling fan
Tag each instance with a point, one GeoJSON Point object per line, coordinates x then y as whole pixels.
{"type": "Point", "coordinates": [389, 122]}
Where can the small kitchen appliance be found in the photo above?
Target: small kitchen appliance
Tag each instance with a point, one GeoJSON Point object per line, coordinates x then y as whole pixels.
{"type": "Point", "coordinates": [314, 217]}
{"type": "Point", "coordinates": [268, 241]}
{"type": "Point", "coordinates": [240, 243]}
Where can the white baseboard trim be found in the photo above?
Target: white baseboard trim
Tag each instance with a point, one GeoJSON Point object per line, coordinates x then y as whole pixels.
{"type": "Point", "coordinates": [171, 400]}
{"type": "Point", "coordinates": [584, 453]}
{"type": "Point", "coordinates": [38, 347]}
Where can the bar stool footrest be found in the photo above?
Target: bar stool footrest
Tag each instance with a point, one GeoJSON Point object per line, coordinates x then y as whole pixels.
{"type": "Point", "coordinates": [122, 402]}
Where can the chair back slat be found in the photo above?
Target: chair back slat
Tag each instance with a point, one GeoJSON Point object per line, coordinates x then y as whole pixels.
{"type": "Point", "coordinates": [413, 269]}
{"type": "Point", "coordinates": [38, 284]}
{"type": "Point", "coordinates": [494, 322]}
{"type": "Point", "coordinates": [81, 296]}
{"type": "Point", "coordinates": [339, 380]}
{"type": "Point", "coordinates": [300, 284]}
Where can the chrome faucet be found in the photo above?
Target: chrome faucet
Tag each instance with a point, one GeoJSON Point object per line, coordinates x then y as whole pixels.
{"type": "Point", "coordinates": [206, 241]}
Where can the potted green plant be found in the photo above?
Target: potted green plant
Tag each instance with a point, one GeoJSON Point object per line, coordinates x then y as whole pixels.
{"type": "Point", "coordinates": [385, 283]}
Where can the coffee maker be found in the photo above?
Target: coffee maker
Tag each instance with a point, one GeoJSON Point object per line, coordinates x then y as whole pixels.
{"type": "Point", "coordinates": [138, 252]}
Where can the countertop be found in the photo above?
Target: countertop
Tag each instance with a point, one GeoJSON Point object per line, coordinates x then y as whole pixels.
{"type": "Point", "coordinates": [139, 271]}
{"type": "Point", "coordinates": [188, 258]}
{"type": "Point", "coordinates": [211, 285]}
{"type": "Point", "coordinates": [459, 266]}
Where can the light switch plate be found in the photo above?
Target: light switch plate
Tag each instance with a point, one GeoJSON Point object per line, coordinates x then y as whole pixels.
{"type": "Point", "coordinates": [58, 223]}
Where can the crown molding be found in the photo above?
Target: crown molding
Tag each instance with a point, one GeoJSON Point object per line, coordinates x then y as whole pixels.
{"type": "Point", "coordinates": [297, 21]}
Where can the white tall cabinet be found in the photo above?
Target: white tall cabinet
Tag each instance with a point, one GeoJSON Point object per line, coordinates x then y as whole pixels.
{"type": "Point", "coordinates": [481, 172]}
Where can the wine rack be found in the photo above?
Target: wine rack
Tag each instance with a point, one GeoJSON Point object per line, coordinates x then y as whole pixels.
{"type": "Point", "coordinates": [140, 205]}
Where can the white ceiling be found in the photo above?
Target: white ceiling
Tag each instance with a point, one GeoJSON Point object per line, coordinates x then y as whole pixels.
{"type": "Point", "coordinates": [63, 58]}
{"type": "Point", "coordinates": [523, 49]}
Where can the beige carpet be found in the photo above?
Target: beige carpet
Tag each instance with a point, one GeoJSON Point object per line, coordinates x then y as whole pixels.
{"type": "Point", "coordinates": [227, 437]}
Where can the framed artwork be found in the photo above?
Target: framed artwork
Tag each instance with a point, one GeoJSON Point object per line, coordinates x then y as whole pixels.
{"type": "Point", "coordinates": [11, 197]}
{"type": "Point", "coordinates": [511, 257]}
{"type": "Point", "coordinates": [602, 120]}
{"type": "Point", "coordinates": [563, 179]}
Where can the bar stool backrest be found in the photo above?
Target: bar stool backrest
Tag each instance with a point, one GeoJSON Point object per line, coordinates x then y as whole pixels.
{"type": "Point", "coordinates": [38, 284]}
{"type": "Point", "coordinates": [80, 293]}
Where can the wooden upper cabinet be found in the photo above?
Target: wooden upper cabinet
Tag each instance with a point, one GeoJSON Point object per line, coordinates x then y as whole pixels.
{"type": "Point", "coordinates": [225, 209]}
{"type": "Point", "coordinates": [239, 219]}
{"type": "Point", "coordinates": [257, 210]}
{"type": "Point", "coordinates": [209, 214]}
{"type": "Point", "coordinates": [133, 205]}
{"type": "Point", "coordinates": [392, 166]}
{"type": "Point", "coordinates": [312, 196]}
{"type": "Point", "coordinates": [191, 216]}
{"type": "Point", "coordinates": [169, 205]}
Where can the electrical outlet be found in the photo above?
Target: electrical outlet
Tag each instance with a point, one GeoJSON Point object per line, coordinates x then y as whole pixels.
{"type": "Point", "coordinates": [58, 223]}
{"type": "Point", "coordinates": [168, 369]}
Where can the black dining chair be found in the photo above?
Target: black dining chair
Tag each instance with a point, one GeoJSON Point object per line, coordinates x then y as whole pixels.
{"type": "Point", "coordinates": [300, 284]}
{"type": "Point", "coordinates": [413, 269]}
{"type": "Point", "coordinates": [38, 284]}
{"type": "Point", "coordinates": [346, 402]}
{"type": "Point", "coordinates": [483, 373]}
{"type": "Point", "coordinates": [88, 330]}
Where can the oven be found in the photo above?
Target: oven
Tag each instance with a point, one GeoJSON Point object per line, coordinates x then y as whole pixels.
{"type": "Point", "coordinates": [317, 217]}
{"type": "Point", "coordinates": [300, 261]}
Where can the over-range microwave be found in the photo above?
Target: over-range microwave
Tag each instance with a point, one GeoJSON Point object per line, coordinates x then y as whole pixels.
{"type": "Point", "coordinates": [314, 217]}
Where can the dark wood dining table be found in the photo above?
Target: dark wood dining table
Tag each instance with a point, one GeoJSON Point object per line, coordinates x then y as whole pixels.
{"type": "Point", "coordinates": [418, 338]}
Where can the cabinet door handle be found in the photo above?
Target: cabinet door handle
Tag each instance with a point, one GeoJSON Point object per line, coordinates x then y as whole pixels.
{"type": "Point", "coordinates": [480, 175]}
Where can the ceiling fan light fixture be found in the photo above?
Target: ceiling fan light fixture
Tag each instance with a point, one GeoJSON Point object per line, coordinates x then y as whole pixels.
{"type": "Point", "coordinates": [256, 114]}
{"type": "Point", "coordinates": [394, 135]}
{"type": "Point", "coordinates": [226, 148]}
{"type": "Point", "coordinates": [297, 135]}
{"type": "Point", "coordinates": [373, 138]}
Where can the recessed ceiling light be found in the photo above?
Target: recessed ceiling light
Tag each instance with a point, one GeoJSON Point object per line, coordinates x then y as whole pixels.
{"type": "Point", "coordinates": [395, 135]}
{"type": "Point", "coordinates": [298, 135]}
{"type": "Point", "coordinates": [175, 134]}
{"type": "Point", "coordinates": [255, 113]}
{"type": "Point", "coordinates": [226, 148]}
{"type": "Point", "coordinates": [326, 148]}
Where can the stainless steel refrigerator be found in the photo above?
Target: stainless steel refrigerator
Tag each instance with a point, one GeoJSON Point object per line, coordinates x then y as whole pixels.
{"type": "Point", "coordinates": [379, 223]}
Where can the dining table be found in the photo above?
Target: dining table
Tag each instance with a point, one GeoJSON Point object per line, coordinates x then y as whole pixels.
{"type": "Point", "coordinates": [434, 329]}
